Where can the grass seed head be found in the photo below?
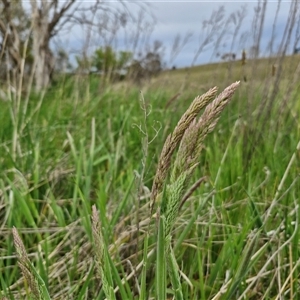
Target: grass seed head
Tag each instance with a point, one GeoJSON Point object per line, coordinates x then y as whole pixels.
{"type": "Point", "coordinates": [174, 139]}
{"type": "Point", "coordinates": [190, 133]}
{"type": "Point", "coordinates": [25, 265]}
{"type": "Point", "coordinates": [98, 238]}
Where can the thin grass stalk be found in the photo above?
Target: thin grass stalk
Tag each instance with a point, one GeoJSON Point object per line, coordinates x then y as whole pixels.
{"type": "Point", "coordinates": [90, 161]}
{"type": "Point", "coordinates": [143, 293]}
{"type": "Point", "coordinates": [273, 255]}
{"type": "Point", "coordinates": [102, 262]}
{"type": "Point", "coordinates": [226, 151]}
{"type": "Point", "coordinates": [17, 106]}
{"type": "Point", "coordinates": [117, 214]}
{"type": "Point", "coordinates": [120, 282]}
{"type": "Point", "coordinates": [173, 271]}
{"type": "Point", "coordinates": [289, 280]}
{"type": "Point", "coordinates": [191, 222]}
{"type": "Point", "coordinates": [243, 266]}
{"type": "Point", "coordinates": [132, 274]}
{"type": "Point", "coordinates": [140, 177]}
{"type": "Point", "coordinates": [85, 286]}
{"type": "Point", "coordinates": [280, 186]}
{"type": "Point", "coordinates": [285, 42]}
{"type": "Point", "coordinates": [36, 170]}
{"type": "Point", "coordinates": [257, 220]}
{"type": "Point", "coordinates": [3, 48]}
{"type": "Point", "coordinates": [190, 191]}
{"type": "Point", "coordinates": [78, 175]}
{"type": "Point", "coordinates": [21, 76]}
{"type": "Point", "coordinates": [34, 112]}
{"type": "Point", "coordinates": [160, 261]}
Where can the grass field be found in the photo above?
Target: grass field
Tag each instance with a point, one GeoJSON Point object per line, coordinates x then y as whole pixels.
{"type": "Point", "coordinates": [83, 144]}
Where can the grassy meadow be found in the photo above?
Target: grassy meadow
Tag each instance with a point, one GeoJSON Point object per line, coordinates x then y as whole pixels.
{"type": "Point", "coordinates": [77, 168]}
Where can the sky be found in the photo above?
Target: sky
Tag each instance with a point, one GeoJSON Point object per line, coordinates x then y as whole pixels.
{"type": "Point", "coordinates": [184, 18]}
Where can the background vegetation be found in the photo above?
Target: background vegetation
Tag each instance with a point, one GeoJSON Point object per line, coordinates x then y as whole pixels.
{"type": "Point", "coordinates": [87, 141]}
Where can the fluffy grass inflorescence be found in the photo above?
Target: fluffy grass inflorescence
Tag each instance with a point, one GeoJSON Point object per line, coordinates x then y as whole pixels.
{"type": "Point", "coordinates": [102, 262]}
{"type": "Point", "coordinates": [190, 134]}
{"type": "Point", "coordinates": [35, 282]}
{"type": "Point", "coordinates": [174, 139]}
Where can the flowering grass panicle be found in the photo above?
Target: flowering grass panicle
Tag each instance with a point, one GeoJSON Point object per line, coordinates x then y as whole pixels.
{"type": "Point", "coordinates": [174, 139]}
{"type": "Point", "coordinates": [189, 134]}
{"type": "Point", "coordinates": [35, 282]}
{"type": "Point", "coordinates": [102, 264]}
{"type": "Point", "coordinates": [191, 142]}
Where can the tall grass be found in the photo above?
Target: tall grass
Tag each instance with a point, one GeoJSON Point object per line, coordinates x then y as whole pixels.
{"type": "Point", "coordinates": [104, 194]}
{"type": "Point", "coordinates": [221, 220]}
{"type": "Point", "coordinates": [230, 233]}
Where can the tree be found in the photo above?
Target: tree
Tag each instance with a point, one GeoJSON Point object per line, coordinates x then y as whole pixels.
{"type": "Point", "coordinates": [44, 21]}
{"type": "Point", "coordinates": [83, 64]}
{"type": "Point", "coordinates": [105, 60]}
{"type": "Point", "coordinates": [124, 59]}
{"type": "Point", "coordinates": [148, 65]}
{"type": "Point", "coordinates": [47, 17]}
{"type": "Point", "coordinates": [136, 71]}
{"type": "Point", "coordinates": [62, 61]}
{"type": "Point", "coordinates": [14, 29]}
{"type": "Point", "coordinates": [152, 63]}
{"type": "Point", "coordinates": [109, 62]}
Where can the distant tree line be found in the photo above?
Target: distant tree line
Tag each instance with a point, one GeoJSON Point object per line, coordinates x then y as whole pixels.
{"type": "Point", "coordinates": [26, 35]}
{"type": "Point", "coordinates": [117, 65]}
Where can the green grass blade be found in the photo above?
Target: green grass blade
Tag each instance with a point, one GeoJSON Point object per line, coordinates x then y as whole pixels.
{"type": "Point", "coordinates": [161, 261]}
{"type": "Point", "coordinates": [173, 271]}
{"type": "Point", "coordinates": [143, 292]}
{"type": "Point", "coordinates": [244, 265]}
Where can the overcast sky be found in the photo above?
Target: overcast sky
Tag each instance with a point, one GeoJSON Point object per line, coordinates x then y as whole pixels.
{"type": "Point", "coordinates": [182, 17]}
{"type": "Point", "coordinates": [187, 17]}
